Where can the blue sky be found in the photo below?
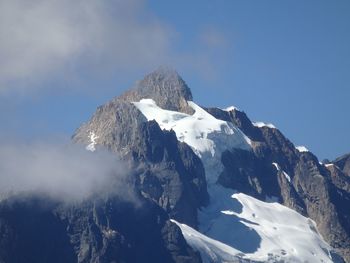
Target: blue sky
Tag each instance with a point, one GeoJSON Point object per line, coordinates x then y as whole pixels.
{"type": "Point", "coordinates": [285, 62]}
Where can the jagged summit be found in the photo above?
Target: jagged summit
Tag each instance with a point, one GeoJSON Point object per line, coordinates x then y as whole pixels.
{"type": "Point", "coordinates": [164, 72]}
{"type": "Point", "coordinates": [166, 87]}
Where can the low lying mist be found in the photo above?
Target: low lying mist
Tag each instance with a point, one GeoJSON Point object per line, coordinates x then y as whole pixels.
{"type": "Point", "coordinates": [63, 172]}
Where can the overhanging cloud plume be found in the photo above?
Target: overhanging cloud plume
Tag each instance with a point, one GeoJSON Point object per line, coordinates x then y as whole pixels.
{"type": "Point", "coordinates": [65, 173]}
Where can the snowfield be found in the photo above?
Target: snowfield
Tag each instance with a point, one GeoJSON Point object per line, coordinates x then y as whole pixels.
{"type": "Point", "coordinates": [199, 130]}
{"type": "Point", "coordinates": [236, 227]}
{"type": "Point", "coordinates": [252, 230]}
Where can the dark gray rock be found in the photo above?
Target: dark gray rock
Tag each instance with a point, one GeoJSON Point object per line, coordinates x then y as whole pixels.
{"type": "Point", "coordinates": [169, 173]}
{"type": "Point", "coordinates": [36, 229]}
{"type": "Point", "coordinates": [30, 232]}
{"type": "Point", "coordinates": [343, 163]}
{"type": "Point", "coordinates": [244, 171]}
{"type": "Point", "coordinates": [165, 87]}
{"type": "Point", "coordinates": [240, 119]}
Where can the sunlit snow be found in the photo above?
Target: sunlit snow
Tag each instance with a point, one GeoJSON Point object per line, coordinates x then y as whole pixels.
{"type": "Point", "coordinates": [91, 147]}
{"type": "Point", "coordinates": [284, 173]}
{"type": "Point", "coordinates": [231, 108]}
{"type": "Point", "coordinates": [250, 229]}
{"type": "Point", "coordinates": [261, 124]}
{"type": "Point", "coordinates": [301, 149]}
{"type": "Point", "coordinates": [199, 130]}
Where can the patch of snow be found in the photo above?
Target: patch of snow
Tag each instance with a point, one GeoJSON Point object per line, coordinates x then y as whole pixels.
{"type": "Point", "coordinates": [261, 124]}
{"type": "Point", "coordinates": [302, 149]}
{"type": "Point", "coordinates": [109, 233]}
{"type": "Point", "coordinates": [91, 147]}
{"type": "Point", "coordinates": [284, 173]}
{"type": "Point", "coordinates": [231, 108]}
{"type": "Point", "coordinates": [328, 165]}
{"type": "Point", "coordinates": [277, 166]}
{"type": "Point", "coordinates": [286, 176]}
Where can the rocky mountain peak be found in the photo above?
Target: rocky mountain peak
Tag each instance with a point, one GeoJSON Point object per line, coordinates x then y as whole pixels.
{"type": "Point", "coordinates": [166, 87]}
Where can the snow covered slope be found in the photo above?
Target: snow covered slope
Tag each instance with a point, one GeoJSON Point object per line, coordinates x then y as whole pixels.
{"type": "Point", "coordinates": [199, 130]}
{"type": "Point", "coordinates": [244, 228]}
{"type": "Point", "coordinates": [235, 227]}
{"type": "Point", "coordinates": [207, 136]}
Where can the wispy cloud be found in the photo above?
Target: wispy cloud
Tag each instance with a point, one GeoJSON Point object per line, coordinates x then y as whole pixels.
{"type": "Point", "coordinates": [39, 37]}
{"type": "Point", "coordinates": [65, 173]}
{"type": "Point", "coordinates": [42, 40]}
{"type": "Point", "coordinates": [212, 37]}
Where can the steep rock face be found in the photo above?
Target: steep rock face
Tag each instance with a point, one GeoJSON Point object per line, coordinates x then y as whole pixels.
{"type": "Point", "coordinates": [343, 163]}
{"type": "Point", "coordinates": [30, 232]}
{"type": "Point", "coordinates": [322, 200]}
{"type": "Point", "coordinates": [244, 171]}
{"type": "Point", "coordinates": [115, 125]}
{"type": "Point", "coordinates": [339, 178]}
{"type": "Point", "coordinates": [300, 182]}
{"type": "Point", "coordinates": [99, 230]}
{"type": "Point", "coordinates": [169, 173]}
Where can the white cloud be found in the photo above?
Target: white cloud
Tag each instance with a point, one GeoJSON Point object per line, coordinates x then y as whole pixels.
{"type": "Point", "coordinates": [63, 172]}
{"type": "Point", "coordinates": [43, 42]}
{"type": "Point", "coordinates": [41, 37]}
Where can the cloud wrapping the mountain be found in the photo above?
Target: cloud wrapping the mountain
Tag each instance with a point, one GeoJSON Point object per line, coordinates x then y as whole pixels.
{"type": "Point", "coordinates": [65, 173]}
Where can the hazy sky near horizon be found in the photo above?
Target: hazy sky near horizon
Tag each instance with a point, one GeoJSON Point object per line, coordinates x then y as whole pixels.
{"type": "Point", "coordinates": [284, 62]}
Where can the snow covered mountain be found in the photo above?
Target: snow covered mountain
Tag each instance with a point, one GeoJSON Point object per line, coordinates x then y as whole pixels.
{"type": "Point", "coordinates": [212, 186]}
